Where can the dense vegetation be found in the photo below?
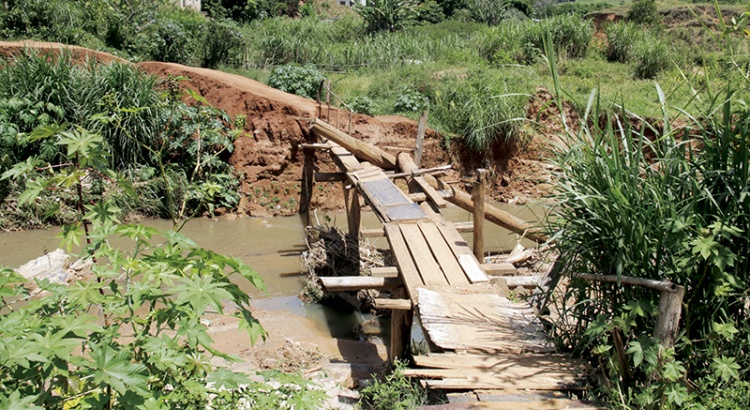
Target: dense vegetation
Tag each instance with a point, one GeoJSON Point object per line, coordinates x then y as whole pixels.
{"type": "Point", "coordinates": [172, 154]}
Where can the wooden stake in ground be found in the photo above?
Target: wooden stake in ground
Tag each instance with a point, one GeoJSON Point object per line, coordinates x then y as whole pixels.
{"type": "Point", "coordinates": [421, 128]}
{"type": "Point", "coordinates": [668, 320]}
{"type": "Point", "coordinates": [477, 197]}
{"type": "Point", "coordinates": [400, 327]}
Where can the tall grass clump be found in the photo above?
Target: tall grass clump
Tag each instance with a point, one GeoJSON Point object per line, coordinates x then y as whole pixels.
{"type": "Point", "coordinates": [658, 203]}
{"type": "Point", "coordinates": [571, 35]}
{"type": "Point", "coordinates": [622, 38]}
{"type": "Point", "coordinates": [652, 56]}
{"type": "Point", "coordinates": [484, 109]}
{"type": "Point", "coordinates": [502, 44]}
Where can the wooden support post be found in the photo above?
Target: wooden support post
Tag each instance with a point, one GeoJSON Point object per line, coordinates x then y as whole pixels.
{"type": "Point", "coordinates": [400, 328]}
{"type": "Point", "coordinates": [353, 212]}
{"type": "Point", "coordinates": [421, 128]}
{"type": "Point", "coordinates": [668, 319]}
{"type": "Point", "coordinates": [308, 180]}
{"type": "Point", "coordinates": [477, 197]}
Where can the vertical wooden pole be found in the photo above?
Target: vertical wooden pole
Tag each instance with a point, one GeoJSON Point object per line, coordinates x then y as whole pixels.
{"type": "Point", "coordinates": [308, 179]}
{"type": "Point", "coordinates": [668, 320]}
{"type": "Point", "coordinates": [400, 328]}
{"type": "Point", "coordinates": [353, 211]}
{"type": "Point", "coordinates": [328, 101]}
{"type": "Point", "coordinates": [421, 128]}
{"type": "Point", "coordinates": [477, 197]}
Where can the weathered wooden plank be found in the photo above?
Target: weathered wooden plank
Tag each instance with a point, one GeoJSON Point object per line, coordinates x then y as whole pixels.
{"type": "Point", "coordinates": [480, 322]}
{"type": "Point", "coordinates": [344, 159]}
{"type": "Point", "coordinates": [384, 272]}
{"type": "Point", "coordinates": [392, 304]}
{"type": "Point", "coordinates": [417, 196]}
{"type": "Point", "coordinates": [408, 212]}
{"type": "Point", "coordinates": [383, 192]}
{"type": "Point", "coordinates": [406, 266]}
{"type": "Point", "coordinates": [346, 283]}
{"type": "Point", "coordinates": [531, 282]}
{"type": "Point", "coordinates": [495, 269]}
{"type": "Point", "coordinates": [463, 253]}
{"type": "Point", "coordinates": [464, 226]}
{"type": "Point", "coordinates": [371, 233]}
{"type": "Point", "coordinates": [551, 361]}
{"type": "Point", "coordinates": [428, 267]}
{"type": "Point", "coordinates": [463, 384]}
{"type": "Point", "coordinates": [431, 193]}
{"type": "Point", "coordinates": [448, 263]}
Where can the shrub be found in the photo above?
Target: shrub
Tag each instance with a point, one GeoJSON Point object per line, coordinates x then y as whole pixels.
{"type": "Point", "coordinates": [394, 392]}
{"type": "Point", "coordinates": [621, 41]}
{"type": "Point", "coordinates": [222, 39]}
{"type": "Point", "coordinates": [301, 80]}
{"type": "Point", "coordinates": [643, 12]}
{"type": "Point", "coordinates": [651, 57]}
{"type": "Point", "coordinates": [410, 100]}
{"type": "Point", "coordinates": [363, 105]}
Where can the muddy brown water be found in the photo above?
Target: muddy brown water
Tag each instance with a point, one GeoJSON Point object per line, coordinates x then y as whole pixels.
{"type": "Point", "coordinates": [272, 247]}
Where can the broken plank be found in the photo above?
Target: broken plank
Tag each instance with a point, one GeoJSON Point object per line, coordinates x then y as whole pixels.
{"type": "Point", "coordinates": [428, 267]}
{"type": "Point", "coordinates": [406, 266]}
{"type": "Point", "coordinates": [353, 283]}
{"type": "Point", "coordinates": [454, 274]}
{"type": "Point", "coordinates": [499, 268]}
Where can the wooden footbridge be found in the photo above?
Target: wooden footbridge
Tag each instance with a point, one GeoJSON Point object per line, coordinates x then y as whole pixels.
{"type": "Point", "coordinates": [477, 339]}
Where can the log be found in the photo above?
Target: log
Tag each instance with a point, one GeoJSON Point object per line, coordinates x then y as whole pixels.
{"type": "Point", "coordinates": [668, 319]}
{"type": "Point", "coordinates": [354, 283]}
{"type": "Point", "coordinates": [477, 199]}
{"type": "Point", "coordinates": [362, 150]}
{"type": "Point", "coordinates": [392, 304]}
{"type": "Point", "coordinates": [491, 213]}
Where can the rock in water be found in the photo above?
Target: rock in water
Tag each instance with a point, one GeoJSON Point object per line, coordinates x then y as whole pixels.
{"type": "Point", "coordinates": [53, 266]}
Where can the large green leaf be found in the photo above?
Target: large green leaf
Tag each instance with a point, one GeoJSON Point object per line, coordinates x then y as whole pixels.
{"type": "Point", "coordinates": [115, 368]}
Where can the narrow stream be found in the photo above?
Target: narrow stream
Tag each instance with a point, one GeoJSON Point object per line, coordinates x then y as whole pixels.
{"type": "Point", "coordinates": [271, 246]}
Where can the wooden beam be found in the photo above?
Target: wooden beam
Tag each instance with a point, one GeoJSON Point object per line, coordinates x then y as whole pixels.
{"type": "Point", "coordinates": [417, 196]}
{"type": "Point", "coordinates": [499, 268]}
{"type": "Point", "coordinates": [354, 283]}
{"type": "Point", "coordinates": [491, 213]}
{"type": "Point", "coordinates": [384, 272]}
{"type": "Point", "coordinates": [316, 146]}
{"type": "Point", "coordinates": [477, 198]}
{"type": "Point", "coordinates": [330, 177]}
{"type": "Point", "coordinates": [417, 172]}
{"type": "Point", "coordinates": [353, 214]}
{"type": "Point", "coordinates": [421, 128]}
{"type": "Point", "coordinates": [392, 304]}
{"type": "Point", "coordinates": [659, 285]}
{"type": "Point", "coordinates": [399, 149]}
{"type": "Point", "coordinates": [668, 319]}
{"type": "Point", "coordinates": [362, 150]}
{"type": "Point", "coordinates": [401, 321]}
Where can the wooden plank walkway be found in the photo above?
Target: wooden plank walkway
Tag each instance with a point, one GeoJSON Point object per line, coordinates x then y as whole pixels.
{"type": "Point", "coordinates": [479, 340]}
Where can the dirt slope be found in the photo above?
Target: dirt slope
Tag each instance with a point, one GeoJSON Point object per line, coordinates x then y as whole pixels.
{"type": "Point", "coordinates": [276, 122]}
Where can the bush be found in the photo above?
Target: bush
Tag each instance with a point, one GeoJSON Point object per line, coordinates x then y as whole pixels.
{"type": "Point", "coordinates": [410, 100]}
{"type": "Point", "coordinates": [621, 41]}
{"type": "Point", "coordinates": [651, 57]}
{"type": "Point", "coordinates": [301, 80]}
{"type": "Point", "coordinates": [643, 12]}
{"type": "Point", "coordinates": [223, 40]}
{"type": "Point", "coordinates": [363, 105]}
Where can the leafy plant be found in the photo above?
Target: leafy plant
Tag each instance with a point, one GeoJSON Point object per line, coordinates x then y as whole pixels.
{"type": "Point", "coordinates": [395, 391]}
{"type": "Point", "coordinates": [301, 80]}
{"type": "Point", "coordinates": [410, 100]}
{"type": "Point", "coordinates": [621, 41]}
{"type": "Point", "coordinates": [363, 105]}
{"type": "Point", "coordinates": [643, 12]}
{"type": "Point", "coordinates": [651, 56]}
